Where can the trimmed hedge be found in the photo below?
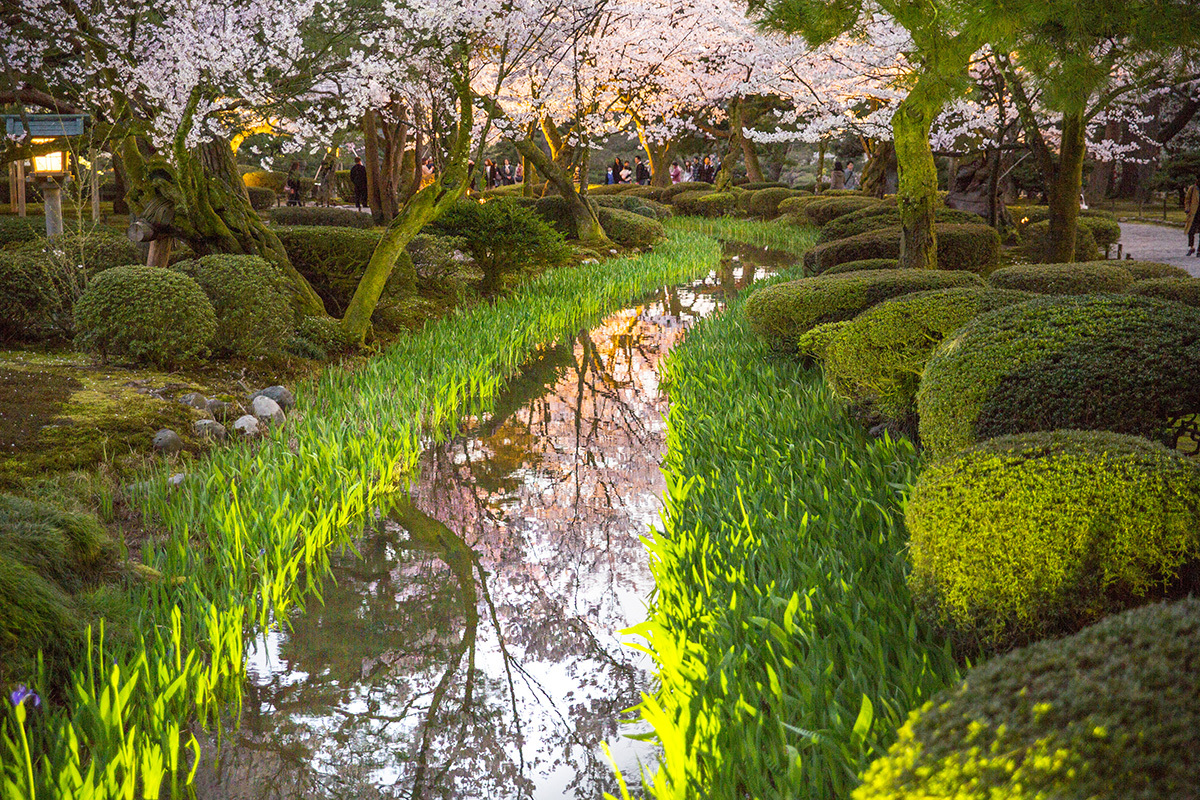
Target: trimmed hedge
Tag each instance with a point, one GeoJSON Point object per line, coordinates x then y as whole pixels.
{"type": "Point", "coordinates": [333, 260]}
{"type": "Point", "coordinates": [676, 189]}
{"type": "Point", "coordinates": [630, 229]}
{"type": "Point", "coordinates": [878, 357]}
{"type": "Point", "coordinates": [1152, 270]}
{"type": "Point", "coordinates": [252, 311]}
{"type": "Point", "coordinates": [706, 203]}
{"type": "Point", "coordinates": [814, 343]}
{"type": "Point", "coordinates": [262, 198]}
{"type": "Point", "coordinates": [1021, 537]}
{"type": "Point", "coordinates": [1179, 290]}
{"type": "Point", "coordinates": [313, 216]}
{"type": "Point", "coordinates": [1104, 228]}
{"type": "Point", "coordinates": [752, 186]}
{"type": "Point", "coordinates": [865, 264]}
{"type": "Point", "coordinates": [638, 205]}
{"type": "Point", "coordinates": [884, 215]}
{"type": "Point", "coordinates": [974, 248]}
{"type": "Point", "coordinates": [826, 209]}
{"type": "Point", "coordinates": [151, 315]}
{"type": "Point", "coordinates": [1037, 243]}
{"type": "Point", "coordinates": [1101, 362]}
{"type": "Point", "coordinates": [261, 179]}
{"type": "Point", "coordinates": [1082, 278]}
{"type": "Point", "coordinates": [1110, 713]}
{"type": "Point", "coordinates": [765, 202]}
{"type": "Point", "coordinates": [21, 229]}
{"type": "Point", "coordinates": [783, 311]}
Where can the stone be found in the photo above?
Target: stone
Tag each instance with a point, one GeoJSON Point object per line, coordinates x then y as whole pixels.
{"type": "Point", "coordinates": [247, 426]}
{"type": "Point", "coordinates": [224, 412]}
{"type": "Point", "coordinates": [267, 410]}
{"type": "Point", "coordinates": [210, 429]}
{"type": "Point", "coordinates": [176, 480]}
{"type": "Point", "coordinates": [167, 441]}
{"type": "Point", "coordinates": [195, 400]}
{"type": "Point", "coordinates": [279, 394]}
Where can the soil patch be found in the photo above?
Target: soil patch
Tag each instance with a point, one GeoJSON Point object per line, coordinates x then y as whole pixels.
{"type": "Point", "coordinates": [29, 400]}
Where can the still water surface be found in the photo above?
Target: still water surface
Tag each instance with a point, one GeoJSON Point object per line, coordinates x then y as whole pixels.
{"type": "Point", "coordinates": [472, 648]}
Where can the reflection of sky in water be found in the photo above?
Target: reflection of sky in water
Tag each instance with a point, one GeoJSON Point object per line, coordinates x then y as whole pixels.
{"type": "Point", "coordinates": [472, 648]}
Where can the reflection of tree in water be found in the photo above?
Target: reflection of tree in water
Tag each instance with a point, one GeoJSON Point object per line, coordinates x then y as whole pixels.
{"type": "Point", "coordinates": [471, 650]}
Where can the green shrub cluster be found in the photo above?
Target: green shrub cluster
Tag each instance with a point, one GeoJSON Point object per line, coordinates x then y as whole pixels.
{"type": "Point", "coordinates": [1037, 243]}
{"type": "Point", "coordinates": [1031, 535]}
{"type": "Point", "coordinates": [317, 338]}
{"type": "Point", "coordinates": [630, 229]}
{"type": "Point", "coordinates": [246, 292]}
{"type": "Point", "coordinates": [1151, 270]}
{"type": "Point", "coordinates": [148, 314]}
{"type": "Point", "coordinates": [813, 344]}
{"type": "Point", "coordinates": [974, 248]}
{"type": "Point", "coordinates": [783, 311]}
{"type": "Point", "coordinates": [825, 209]}
{"type": "Point", "coordinates": [333, 261]}
{"type": "Point", "coordinates": [751, 186]}
{"type": "Point", "coordinates": [764, 203]}
{"type": "Point", "coordinates": [704, 203]}
{"type": "Point", "coordinates": [884, 215]}
{"type": "Point", "coordinates": [864, 264]}
{"type": "Point", "coordinates": [555, 210]}
{"type": "Point", "coordinates": [792, 208]}
{"type": "Point", "coordinates": [21, 229]}
{"type": "Point", "coordinates": [638, 205]}
{"type": "Point", "coordinates": [676, 189]}
{"type": "Point", "coordinates": [1104, 228]}
{"type": "Point", "coordinates": [879, 356]}
{"type": "Point", "coordinates": [1106, 362]}
{"type": "Point", "coordinates": [261, 179]}
{"type": "Point", "coordinates": [1083, 278]}
{"type": "Point", "coordinates": [1179, 290]}
{"type": "Point", "coordinates": [261, 198]}
{"type": "Point", "coordinates": [504, 237]}
{"type": "Point", "coordinates": [313, 216]}
{"type": "Point", "coordinates": [1110, 713]}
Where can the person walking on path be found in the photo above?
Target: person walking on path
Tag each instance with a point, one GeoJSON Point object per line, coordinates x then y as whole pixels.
{"type": "Point", "coordinates": [358, 179]}
{"type": "Point", "coordinates": [851, 178]}
{"type": "Point", "coordinates": [292, 186]}
{"type": "Point", "coordinates": [641, 171]}
{"type": "Point", "coordinates": [839, 176]}
{"type": "Point", "coordinates": [1191, 207]}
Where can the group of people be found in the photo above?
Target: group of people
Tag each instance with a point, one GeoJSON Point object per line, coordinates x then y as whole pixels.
{"type": "Point", "coordinates": [502, 174]}
{"type": "Point", "coordinates": [639, 172]}
{"type": "Point", "coordinates": [621, 172]}
{"type": "Point", "coordinates": [843, 177]}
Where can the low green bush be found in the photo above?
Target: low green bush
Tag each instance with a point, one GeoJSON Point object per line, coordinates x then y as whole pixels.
{"type": "Point", "coordinates": [783, 311]}
{"type": "Point", "coordinates": [1036, 243]}
{"type": "Point", "coordinates": [676, 189]}
{"type": "Point", "coordinates": [755, 185]}
{"type": "Point", "coordinates": [878, 357]}
{"type": "Point", "coordinates": [1179, 290]}
{"type": "Point", "coordinates": [261, 179]}
{"type": "Point", "coordinates": [630, 229]}
{"type": "Point", "coordinates": [1026, 536]}
{"type": "Point", "coordinates": [825, 209]}
{"type": "Point", "coordinates": [706, 203]}
{"type": "Point", "coordinates": [1083, 278]}
{"type": "Point", "coordinates": [262, 198]}
{"type": "Point", "coordinates": [884, 215]}
{"type": "Point", "coordinates": [764, 203]}
{"type": "Point", "coordinates": [638, 205]}
{"type": "Point", "coordinates": [1107, 714]}
{"type": "Point", "coordinates": [974, 248]}
{"type": "Point", "coordinates": [792, 208]}
{"type": "Point", "coordinates": [865, 264]}
{"type": "Point", "coordinates": [1102, 362]}
{"type": "Point", "coordinates": [504, 237]}
{"type": "Point", "coordinates": [152, 315]}
{"type": "Point", "coordinates": [313, 216]}
{"type": "Point", "coordinates": [21, 229]}
{"type": "Point", "coordinates": [333, 261]}
{"type": "Point", "coordinates": [1104, 230]}
{"type": "Point", "coordinates": [813, 344]}
{"type": "Point", "coordinates": [555, 211]}
{"type": "Point", "coordinates": [317, 338]}
{"type": "Point", "coordinates": [246, 292]}
{"type": "Point", "coordinates": [1151, 270]}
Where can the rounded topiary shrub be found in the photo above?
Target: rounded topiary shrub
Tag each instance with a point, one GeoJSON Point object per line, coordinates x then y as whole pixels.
{"type": "Point", "coordinates": [312, 215]}
{"type": "Point", "coordinates": [629, 228]}
{"type": "Point", "coordinates": [878, 357]}
{"type": "Point", "coordinates": [974, 248]}
{"type": "Point", "coordinates": [826, 209]}
{"type": "Point", "coordinates": [765, 202]}
{"type": "Point", "coordinates": [148, 314]}
{"type": "Point", "coordinates": [21, 229]}
{"type": "Point", "coordinates": [261, 179]}
{"type": "Point", "coordinates": [884, 215]}
{"type": "Point", "coordinates": [1085, 278]}
{"type": "Point", "coordinates": [706, 203]}
{"type": "Point", "coordinates": [555, 210]}
{"type": "Point", "coordinates": [1178, 290]}
{"type": "Point", "coordinates": [1026, 536]}
{"type": "Point", "coordinates": [1105, 230]}
{"type": "Point", "coordinates": [793, 207]}
{"type": "Point", "coordinates": [261, 198]}
{"type": "Point", "coordinates": [813, 343]}
{"type": "Point", "coordinates": [1102, 362]}
{"type": "Point", "coordinates": [1037, 243]}
{"type": "Point", "coordinates": [333, 261]}
{"type": "Point", "coordinates": [674, 190]}
{"type": "Point", "coordinates": [782, 312]}
{"type": "Point", "coordinates": [1110, 713]}
{"type": "Point", "coordinates": [865, 264]}
{"type": "Point", "coordinates": [253, 315]}
{"type": "Point", "coordinates": [1150, 270]}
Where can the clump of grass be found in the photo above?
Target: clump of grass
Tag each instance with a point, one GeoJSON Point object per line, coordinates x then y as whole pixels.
{"type": "Point", "coordinates": [778, 234]}
{"type": "Point", "coordinates": [788, 646]}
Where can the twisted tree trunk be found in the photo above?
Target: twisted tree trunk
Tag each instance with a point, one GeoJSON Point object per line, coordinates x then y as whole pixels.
{"type": "Point", "coordinates": [917, 195]}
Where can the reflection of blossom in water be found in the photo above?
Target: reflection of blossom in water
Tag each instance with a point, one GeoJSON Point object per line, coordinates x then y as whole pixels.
{"type": "Point", "coordinates": [474, 649]}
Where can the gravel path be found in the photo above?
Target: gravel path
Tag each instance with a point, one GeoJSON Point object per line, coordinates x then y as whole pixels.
{"type": "Point", "coordinates": [1158, 243]}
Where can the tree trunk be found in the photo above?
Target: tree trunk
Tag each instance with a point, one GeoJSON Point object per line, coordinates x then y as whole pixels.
{"type": "Point", "coordinates": [725, 175]}
{"type": "Point", "coordinates": [659, 155]}
{"type": "Point", "coordinates": [212, 209]}
{"type": "Point", "coordinates": [371, 161]}
{"type": "Point", "coordinates": [753, 167]}
{"type": "Point", "coordinates": [875, 172]}
{"type": "Point", "coordinates": [587, 224]}
{"type": "Point", "coordinates": [119, 179]}
{"type": "Point", "coordinates": [917, 195]}
{"type": "Point", "coordinates": [820, 167]}
{"type": "Point", "coordinates": [1063, 190]}
{"type": "Point", "coordinates": [1102, 173]}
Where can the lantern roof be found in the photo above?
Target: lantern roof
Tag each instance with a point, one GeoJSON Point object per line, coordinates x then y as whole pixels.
{"type": "Point", "coordinates": [45, 126]}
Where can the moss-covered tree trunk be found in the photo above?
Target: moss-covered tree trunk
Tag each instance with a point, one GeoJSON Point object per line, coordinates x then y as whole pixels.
{"type": "Point", "coordinates": [725, 174]}
{"type": "Point", "coordinates": [1063, 189]}
{"type": "Point", "coordinates": [917, 196]}
{"type": "Point", "coordinates": [657, 153]}
{"type": "Point", "coordinates": [423, 207]}
{"type": "Point", "coordinates": [582, 212]}
{"type": "Point", "coordinates": [875, 172]}
{"type": "Point", "coordinates": [753, 166]}
{"type": "Point", "coordinates": [212, 210]}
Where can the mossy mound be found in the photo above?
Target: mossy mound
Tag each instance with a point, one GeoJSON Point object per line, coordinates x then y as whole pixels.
{"type": "Point", "coordinates": [879, 356]}
{"type": "Point", "coordinates": [1037, 243]}
{"type": "Point", "coordinates": [783, 311]}
{"type": "Point", "coordinates": [824, 210]}
{"type": "Point", "coordinates": [1083, 278]}
{"type": "Point", "coordinates": [333, 261]}
{"type": "Point", "coordinates": [884, 215]}
{"type": "Point", "coordinates": [1110, 713]}
{"type": "Point", "coordinates": [325, 217]}
{"type": "Point", "coordinates": [1178, 290]}
{"type": "Point", "coordinates": [247, 294]}
{"type": "Point", "coordinates": [1101, 362]}
{"type": "Point", "coordinates": [813, 344]}
{"type": "Point", "coordinates": [974, 248]}
{"type": "Point", "coordinates": [1036, 534]}
{"type": "Point", "coordinates": [630, 229]}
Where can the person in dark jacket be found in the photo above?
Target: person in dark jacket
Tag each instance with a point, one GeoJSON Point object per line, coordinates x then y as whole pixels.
{"type": "Point", "coordinates": [641, 171]}
{"type": "Point", "coordinates": [292, 186]}
{"type": "Point", "coordinates": [616, 168]}
{"type": "Point", "coordinates": [358, 179]}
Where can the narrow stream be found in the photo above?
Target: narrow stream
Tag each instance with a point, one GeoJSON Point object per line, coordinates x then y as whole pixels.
{"type": "Point", "coordinates": [473, 647]}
